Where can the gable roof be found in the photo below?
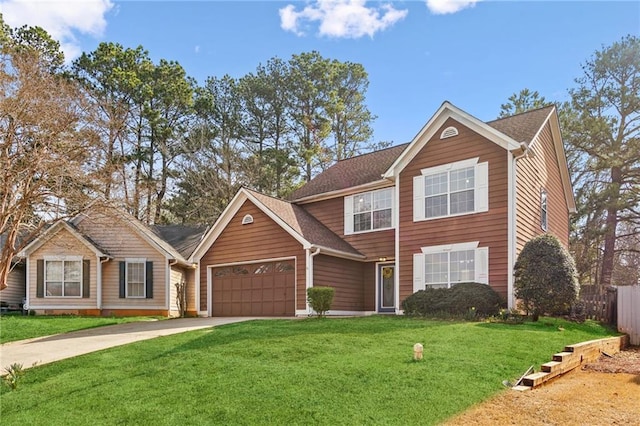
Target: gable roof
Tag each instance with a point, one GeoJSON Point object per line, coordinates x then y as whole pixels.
{"type": "Point", "coordinates": [446, 111]}
{"type": "Point", "coordinates": [181, 237]}
{"type": "Point", "coordinates": [292, 218]}
{"type": "Point", "coordinates": [375, 169]}
{"type": "Point", "coordinates": [144, 231]}
{"type": "Point", "coordinates": [57, 227]}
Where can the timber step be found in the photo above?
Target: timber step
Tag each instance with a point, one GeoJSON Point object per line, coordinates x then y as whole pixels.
{"type": "Point", "coordinates": [551, 366]}
{"type": "Point", "coordinates": [572, 357]}
{"type": "Point", "coordinates": [521, 388]}
{"type": "Point", "coordinates": [536, 379]}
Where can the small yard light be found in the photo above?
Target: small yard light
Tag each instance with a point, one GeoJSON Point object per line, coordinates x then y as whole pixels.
{"type": "Point", "coordinates": [417, 351]}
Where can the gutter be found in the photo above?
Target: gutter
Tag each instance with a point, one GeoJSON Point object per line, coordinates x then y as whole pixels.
{"type": "Point", "coordinates": [101, 261]}
{"type": "Point", "coordinates": [309, 283]}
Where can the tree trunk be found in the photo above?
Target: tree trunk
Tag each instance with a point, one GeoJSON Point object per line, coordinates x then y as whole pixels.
{"type": "Point", "coordinates": [611, 225]}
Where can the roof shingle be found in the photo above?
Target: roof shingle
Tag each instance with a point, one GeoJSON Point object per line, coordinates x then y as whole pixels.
{"type": "Point", "coordinates": [351, 172]}
{"type": "Point", "coordinates": [304, 223]}
{"type": "Point", "coordinates": [183, 238]}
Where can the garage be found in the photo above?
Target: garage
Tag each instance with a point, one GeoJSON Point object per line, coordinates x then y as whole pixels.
{"type": "Point", "coordinates": [254, 289]}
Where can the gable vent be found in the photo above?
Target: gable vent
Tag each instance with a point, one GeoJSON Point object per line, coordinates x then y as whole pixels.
{"type": "Point", "coordinates": [247, 219]}
{"type": "Point", "coordinates": [449, 132]}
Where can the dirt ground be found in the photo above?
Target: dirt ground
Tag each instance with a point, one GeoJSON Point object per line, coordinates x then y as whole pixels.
{"type": "Point", "coordinates": [606, 392]}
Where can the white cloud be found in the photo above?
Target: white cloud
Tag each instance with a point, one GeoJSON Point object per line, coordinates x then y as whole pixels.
{"type": "Point", "coordinates": [442, 7]}
{"type": "Point", "coordinates": [62, 19]}
{"type": "Point", "coordinates": [341, 18]}
{"type": "Point", "coordinates": [196, 49]}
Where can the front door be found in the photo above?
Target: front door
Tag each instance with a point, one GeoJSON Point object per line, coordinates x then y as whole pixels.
{"type": "Point", "coordinates": [386, 288]}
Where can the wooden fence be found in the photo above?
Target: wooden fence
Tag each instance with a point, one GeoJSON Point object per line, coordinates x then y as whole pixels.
{"type": "Point", "coordinates": [629, 312]}
{"type": "Point", "coordinates": [601, 306]}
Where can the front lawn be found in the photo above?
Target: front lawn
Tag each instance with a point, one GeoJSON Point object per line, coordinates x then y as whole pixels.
{"type": "Point", "coordinates": [19, 327]}
{"type": "Point", "coordinates": [332, 371]}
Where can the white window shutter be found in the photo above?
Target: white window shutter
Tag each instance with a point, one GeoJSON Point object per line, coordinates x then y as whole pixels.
{"type": "Point", "coordinates": [482, 265]}
{"type": "Point", "coordinates": [348, 215]}
{"type": "Point", "coordinates": [482, 187]}
{"type": "Point", "coordinates": [418, 272]}
{"type": "Point", "coordinates": [418, 198]}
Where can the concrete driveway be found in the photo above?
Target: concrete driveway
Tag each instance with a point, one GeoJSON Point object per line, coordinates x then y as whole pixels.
{"type": "Point", "coordinates": [43, 350]}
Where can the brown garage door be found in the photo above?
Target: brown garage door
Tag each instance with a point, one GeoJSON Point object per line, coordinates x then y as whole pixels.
{"type": "Point", "coordinates": [256, 289]}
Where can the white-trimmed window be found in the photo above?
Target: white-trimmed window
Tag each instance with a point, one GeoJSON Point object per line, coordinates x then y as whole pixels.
{"type": "Point", "coordinates": [63, 277]}
{"type": "Point", "coordinates": [543, 210]}
{"type": "Point", "coordinates": [451, 190]}
{"type": "Point", "coordinates": [447, 265]}
{"type": "Point", "coordinates": [368, 211]}
{"type": "Point", "coordinates": [135, 278]}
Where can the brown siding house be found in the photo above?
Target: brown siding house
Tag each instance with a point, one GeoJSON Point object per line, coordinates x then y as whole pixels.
{"type": "Point", "coordinates": [455, 204]}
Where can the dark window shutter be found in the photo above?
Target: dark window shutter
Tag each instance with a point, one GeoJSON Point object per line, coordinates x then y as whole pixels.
{"type": "Point", "coordinates": [149, 283]}
{"type": "Point", "coordinates": [86, 281]}
{"type": "Point", "coordinates": [123, 267]}
{"type": "Point", "coordinates": [40, 278]}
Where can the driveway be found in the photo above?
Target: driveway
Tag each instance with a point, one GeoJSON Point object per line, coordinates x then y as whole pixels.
{"type": "Point", "coordinates": [43, 350]}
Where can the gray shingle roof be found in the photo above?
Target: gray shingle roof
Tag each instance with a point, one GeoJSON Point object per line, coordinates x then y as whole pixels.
{"type": "Point", "coordinates": [183, 238]}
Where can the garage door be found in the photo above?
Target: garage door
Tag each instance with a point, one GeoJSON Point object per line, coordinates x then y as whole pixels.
{"type": "Point", "coordinates": [256, 289]}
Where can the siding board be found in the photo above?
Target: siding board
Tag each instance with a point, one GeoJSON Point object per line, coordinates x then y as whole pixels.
{"type": "Point", "coordinates": [63, 243]}
{"type": "Point", "coordinates": [489, 228]}
{"type": "Point", "coordinates": [120, 240]}
{"type": "Point", "coordinates": [345, 276]}
{"type": "Point", "coordinates": [535, 172]}
{"type": "Point", "coordinates": [263, 239]}
{"type": "Point", "coordinates": [15, 290]}
{"type": "Point", "coordinates": [373, 245]}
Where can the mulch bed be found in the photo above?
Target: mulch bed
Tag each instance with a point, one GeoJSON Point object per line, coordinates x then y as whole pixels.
{"type": "Point", "coordinates": [627, 361]}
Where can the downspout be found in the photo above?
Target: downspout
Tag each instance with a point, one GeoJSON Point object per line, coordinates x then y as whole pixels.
{"type": "Point", "coordinates": [168, 295]}
{"type": "Point", "coordinates": [25, 305]}
{"type": "Point", "coordinates": [513, 222]}
{"type": "Point", "coordinates": [101, 261]}
{"type": "Point", "coordinates": [309, 283]}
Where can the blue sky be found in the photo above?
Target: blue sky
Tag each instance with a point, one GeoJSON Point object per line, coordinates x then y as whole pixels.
{"type": "Point", "coordinates": [418, 54]}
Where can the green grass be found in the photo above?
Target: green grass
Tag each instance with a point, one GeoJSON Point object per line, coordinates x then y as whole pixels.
{"type": "Point", "coordinates": [19, 327]}
{"type": "Point", "coordinates": [333, 371]}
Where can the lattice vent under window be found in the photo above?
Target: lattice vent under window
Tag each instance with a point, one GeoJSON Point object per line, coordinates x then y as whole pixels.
{"type": "Point", "coordinates": [247, 219]}
{"type": "Point", "coordinates": [449, 132]}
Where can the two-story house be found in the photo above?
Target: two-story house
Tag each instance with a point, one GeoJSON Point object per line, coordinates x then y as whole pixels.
{"type": "Point", "coordinates": [456, 204]}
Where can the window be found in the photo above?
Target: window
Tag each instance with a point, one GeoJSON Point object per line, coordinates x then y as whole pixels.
{"type": "Point", "coordinates": [63, 278]}
{"type": "Point", "coordinates": [368, 211]}
{"type": "Point", "coordinates": [451, 190]}
{"type": "Point", "coordinates": [447, 265]}
{"type": "Point", "coordinates": [136, 278]}
{"type": "Point", "coordinates": [543, 210]}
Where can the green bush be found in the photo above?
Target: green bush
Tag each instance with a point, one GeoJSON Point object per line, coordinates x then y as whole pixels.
{"type": "Point", "coordinates": [320, 299]}
{"type": "Point", "coordinates": [423, 302]}
{"type": "Point", "coordinates": [468, 300]}
{"type": "Point", "coordinates": [545, 277]}
{"type": "Point", "coordinates": [466, 296]}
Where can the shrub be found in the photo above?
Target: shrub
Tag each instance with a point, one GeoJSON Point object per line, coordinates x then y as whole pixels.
{"type": "Point", "coordinates": [320, 299]}
{"type": "Point", "coordinates": [423, 302]}
{"type": "Point", "coordinates": [465, 296]}
{"type": "Point", "coordinates": [468, 300]}
{"type": "Point", "coordinates": [545, 277]}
